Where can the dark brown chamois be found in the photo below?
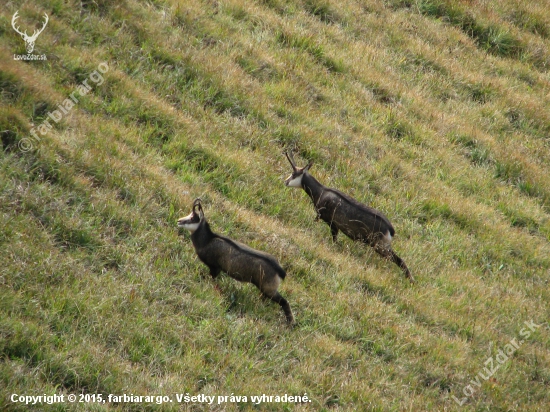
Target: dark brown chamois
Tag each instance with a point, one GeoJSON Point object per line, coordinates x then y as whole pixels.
{"type": "Point", "coordinates": [239, 261]}
{"type": "Point", "coordinates": [343, 213]}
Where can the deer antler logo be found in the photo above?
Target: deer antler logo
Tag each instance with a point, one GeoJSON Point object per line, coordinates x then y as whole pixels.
{"type": "Point", "coordinates": [29, 40]}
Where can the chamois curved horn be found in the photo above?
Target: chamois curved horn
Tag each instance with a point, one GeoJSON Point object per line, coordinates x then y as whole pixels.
{"type": "Point", "coordinates": [197, 203]}
{"type": "Point", "coordinates": [291, 160]}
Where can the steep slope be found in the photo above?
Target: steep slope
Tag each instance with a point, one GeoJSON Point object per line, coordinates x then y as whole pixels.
{"type": "Point", "coordinates": [434, 112]}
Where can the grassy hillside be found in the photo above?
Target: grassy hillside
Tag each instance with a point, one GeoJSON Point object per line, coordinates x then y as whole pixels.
{"type": "Point", "coordinates": [433, 111]}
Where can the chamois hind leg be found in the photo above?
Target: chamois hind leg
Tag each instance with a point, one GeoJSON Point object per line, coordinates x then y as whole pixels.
{"type": "Point", "coordinates": [277, 298]}
{"type": "Point", "coordinates": [399, 262]}
{"type": "Point", "coordinates": [387, 252]}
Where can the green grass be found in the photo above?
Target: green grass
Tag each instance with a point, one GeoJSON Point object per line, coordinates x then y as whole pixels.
{"type": "Point", "coordinates": [434, 112]}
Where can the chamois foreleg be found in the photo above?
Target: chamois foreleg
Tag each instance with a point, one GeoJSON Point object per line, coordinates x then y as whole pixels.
{"type": "Point", "coordinates": [334, 232]}
{"type": "Point", "coordinates": [214, 271]}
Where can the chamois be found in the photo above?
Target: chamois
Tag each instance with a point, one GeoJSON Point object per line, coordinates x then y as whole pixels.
{"type": "Point", "coordinates": [343, 213]}
{"type": "Point", "coordinates": [239, 261]}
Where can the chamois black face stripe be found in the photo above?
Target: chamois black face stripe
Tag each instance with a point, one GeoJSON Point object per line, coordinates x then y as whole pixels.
{"type": "Point", "coordinates": [297, 173]}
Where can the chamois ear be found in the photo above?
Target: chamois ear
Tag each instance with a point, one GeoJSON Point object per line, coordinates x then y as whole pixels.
{"type": "Point", "coordinates": [308, 166]}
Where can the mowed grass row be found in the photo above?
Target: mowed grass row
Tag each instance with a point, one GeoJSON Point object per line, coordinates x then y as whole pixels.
{"type": "Point", "coordinates": [317, 279]}
{"type": "Point", "coordinates": [92, 216]}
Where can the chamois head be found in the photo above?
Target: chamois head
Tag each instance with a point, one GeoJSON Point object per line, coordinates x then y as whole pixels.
{"type": "Point", "coordinates": [295, 179]}
{"type": "Point", "coordinates": [191, 221]}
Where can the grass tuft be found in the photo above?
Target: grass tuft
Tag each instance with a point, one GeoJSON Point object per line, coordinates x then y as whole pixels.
{"type": "Point", "coordinates": [323, 10]}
